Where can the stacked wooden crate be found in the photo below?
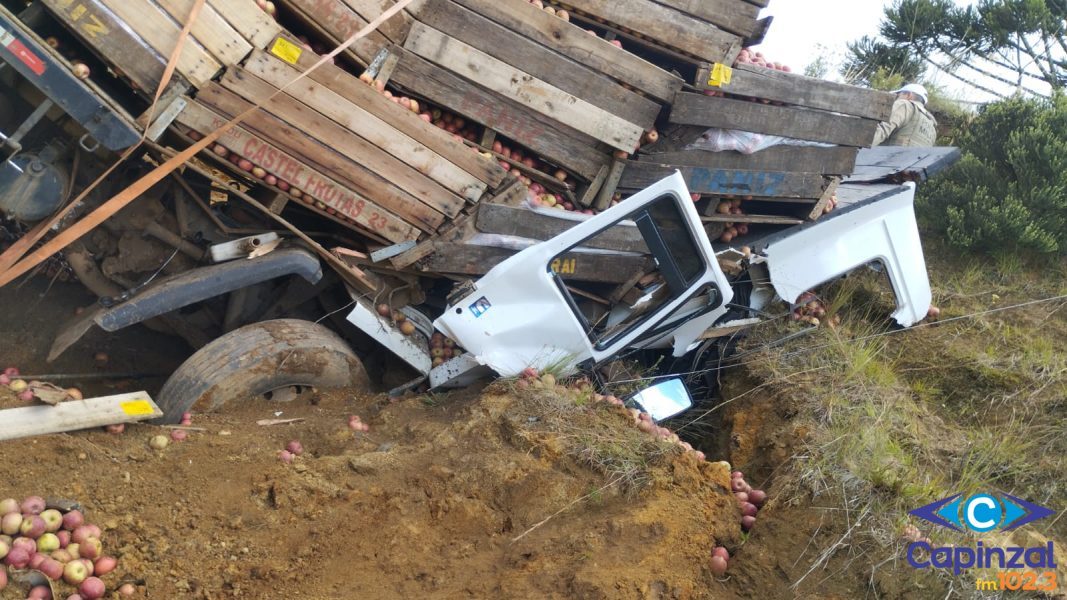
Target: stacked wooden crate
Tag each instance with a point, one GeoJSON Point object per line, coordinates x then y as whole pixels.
{"type": "Point", "coordinates": [782, 185]}
{"type": "Point", "coordinates": [344, 149]}
{"type": "Point", "coordinates": [136, 37]}
{"type": "Point", "coordinates": [335, 21]}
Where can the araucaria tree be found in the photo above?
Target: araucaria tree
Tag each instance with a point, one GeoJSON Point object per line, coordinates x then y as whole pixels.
{"type": "Point", "coordinates": [993, 45]}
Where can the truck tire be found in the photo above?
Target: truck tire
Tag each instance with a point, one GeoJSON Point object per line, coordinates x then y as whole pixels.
{"type": "Point", "coordinates": [256, 359]}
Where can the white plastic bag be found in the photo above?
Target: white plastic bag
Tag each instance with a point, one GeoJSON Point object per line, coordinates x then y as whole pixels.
{"type": "Point", "coordinates": [745, 142]}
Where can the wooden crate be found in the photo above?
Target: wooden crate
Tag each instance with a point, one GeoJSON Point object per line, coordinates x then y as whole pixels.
{"type": "Point", "coordinates": [136, 37]}
{"type": "Point", "coordinates": [336, 21]}
{"type": "Point", "coordinates": [316, 186]}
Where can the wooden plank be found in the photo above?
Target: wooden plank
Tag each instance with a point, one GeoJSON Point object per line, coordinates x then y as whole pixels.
{"type": "Point", "coordinates": [589, 196]}
{"type": "Point", "coordinates": [820, 207]}
{"type": "Point", "coordinates": [801, 159]}
{"type": "Point", "coordinates": [161, 33]}
{"type": "Point", "coordinates": [611, 183]}
{"type": "Point", "coordinates": [340, 22]}
{"type": "Point", "coordinates": [558, 143]}
{"type": "Point", "coordinates": [395, 29]}
{"type": "Point", "coordinates": [106, 34]}
{"type": "Point", "coordinates": [404, 121]}
{"type": "Point", "coordinates": [254, 24]}
{"type": "Point", "coordinates": [799, 123]}
{"type": "Point", "coordinates": [468, 259]}
{"type": "Point", "coordinates": [534, 93]}
{"type": "Point", "coordinates": [523, 222]}
{"type": "Point", "coordinates": [763, 219]}
{"type": "Point", "coordinates": [211, 30]}
{"type": "Point", "coordinates": [370, 128]}
{"type": "Point", "coordinates": [27, 421]}
{"type": "Point", "coordinates": [730, 15]}
{"type": "Point", "coordinates": [791, 88]}
{"type": "Point", "coordinates": [665, 26]}
{"type": "Point", "coordinates": [705, 180]}
{"type": "Point", "coordinates": [388, 208]}
{"type": "Point", "coordinates": [343, 141]}
{"type": "Point", "coordinates": [282, 164]}
{"type": "Point", "coordinates": [533, 58]}
{"type": "Point", "coordinates": [571, 41]}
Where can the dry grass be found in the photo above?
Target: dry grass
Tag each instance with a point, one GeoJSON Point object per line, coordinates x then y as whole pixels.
{"type": "Point", "coordinates": [905, 418]}
{"type": "Point", "coordinates": [560, 419]}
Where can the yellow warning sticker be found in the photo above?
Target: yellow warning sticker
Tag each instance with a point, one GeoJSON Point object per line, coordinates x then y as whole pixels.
{"type": "Point", "coordinates": [720, 75]}
{"type": "Point", "coordinates": [137, 408]}
{"type": "Point", "coordinates": [286, 50]}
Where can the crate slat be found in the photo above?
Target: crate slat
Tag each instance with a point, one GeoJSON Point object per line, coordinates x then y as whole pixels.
{"type": "Point", "coordinates": [395, 28]}
{"type": "Point", "coordinates": [837, 160]}
{"type": "Point", "coordinates": [371, 128]}
{"type": "Point", "coordinates": [799, 123]}
{"type": "Point", "coordinates": [730, 15]}
{"type": "Point", "coordinates": [249, 20]}
{"type": "Point", "coordinates": [161, 33]}
{"type": "Point", "coordinates": [338, 22]}
{"type": "Point", "coordinates": [792, 88]}
{"type": "Point", "coordinates": [523, 222]}
{"type": "Point", "coordinates": [211, 30]}
{"type": "Point", "coordinates": [538, 95]}
{"type": "Point", "coordinates": [710, 180]}
{"type": "Point", "coordinates": [469, 259]}
{"type": "Point", "coordinates": [531, 57]}
{"type": "Point", "coordinates": [665, 26]}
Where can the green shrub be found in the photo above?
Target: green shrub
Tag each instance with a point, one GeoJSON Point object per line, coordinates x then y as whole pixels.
{"type": "Point", "coordinates": [1010, 189]}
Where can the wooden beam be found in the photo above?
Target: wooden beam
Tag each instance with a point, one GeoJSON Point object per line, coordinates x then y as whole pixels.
{"type": "Point", "coordinates": [531, 92]}
{"type": "Point", "coordinates": [161, 33]}
{"type": "Point", "coordinates": [468, 259]}
{"type": "Point", "coordinates": [795, 89]}
{"type": "Point", "coordinates": [611, 183]}
{"type": "Point", "coordinates": [531, 57]}
{"type": "Point", "coordinates": [550, 31]}
{"type": "Point", "coordinates": [27, 421]}
{"type": "Point", "coordinates": [523, 222]}
{"type": "Point", "coordinates": [799, 123]}
{"type": "Point", "coordinates": [705, 180]}
{"type": "Point", "coordinates": [665, 26]}
{"type": "Point", "coordinates": [558, 143]}
{"type": "Point", "coordinates": [376, 131]}
{"type": "Point", "coordinates": [838, 160]}
{"type": "Point", "coordinates": [820, 207]}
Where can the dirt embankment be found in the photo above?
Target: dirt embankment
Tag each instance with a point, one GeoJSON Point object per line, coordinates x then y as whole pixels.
{"type": "Point", "coordinates": [450, 497]}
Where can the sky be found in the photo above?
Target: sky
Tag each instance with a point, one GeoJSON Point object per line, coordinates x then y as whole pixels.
{"type": "Point", "coordinates": [803, 30]}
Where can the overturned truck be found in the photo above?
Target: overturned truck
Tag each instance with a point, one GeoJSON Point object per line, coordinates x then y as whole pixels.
{"type": "Point", "coordinates": [473, 188]}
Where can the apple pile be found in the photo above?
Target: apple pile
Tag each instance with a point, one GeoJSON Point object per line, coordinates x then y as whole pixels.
{"type": "Point", "coordinates": [749, 499]}
{"type": "Point", "coordinates": [443, 348]}
{"type": "Point", "coordinates": [811, 310]}
{"type": "Point", "coordinates": [732, 206]}
{"type": "Point", "coordinates": [61, 546]}
{"type": "Point", "coordinates": [748, 57]}
{"type": "Point", "coordinates": [26, 391]}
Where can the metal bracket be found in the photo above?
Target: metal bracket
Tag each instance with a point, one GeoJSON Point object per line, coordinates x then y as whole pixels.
{"type": "Point", "coordinates": [85, 146]}
{"type": "Point", "coordinates": [166, 117]}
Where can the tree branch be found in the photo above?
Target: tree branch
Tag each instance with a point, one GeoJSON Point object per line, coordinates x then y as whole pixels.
{"type": "Point", "coordinates": [989, 74]}
{"type": "Point", "coordinates": [962, 80]}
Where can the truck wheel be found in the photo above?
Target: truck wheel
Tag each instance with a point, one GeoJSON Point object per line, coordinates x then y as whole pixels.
{"type": "Point", "coordinates": [257, 359]}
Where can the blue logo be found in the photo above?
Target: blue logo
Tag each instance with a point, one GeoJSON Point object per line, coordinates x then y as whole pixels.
{"type": "Point", "coordinates": [981, 512]}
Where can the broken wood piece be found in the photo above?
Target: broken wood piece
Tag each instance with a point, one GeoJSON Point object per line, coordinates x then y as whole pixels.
{"type": "Point", "coordinates": [27, 421]}
{"type": "Point", "coordinates": [272, 422]}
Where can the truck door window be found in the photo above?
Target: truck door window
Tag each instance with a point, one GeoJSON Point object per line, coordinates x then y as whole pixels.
{"type": "Point", "coordinates": [620, 277]}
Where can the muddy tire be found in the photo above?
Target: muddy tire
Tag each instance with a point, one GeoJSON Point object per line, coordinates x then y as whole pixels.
{"type": "Point", "coordinates": [257, 359]}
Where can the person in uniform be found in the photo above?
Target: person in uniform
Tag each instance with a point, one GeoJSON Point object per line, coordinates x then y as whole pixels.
{"type": "Point", "coordinates": [911, 124]}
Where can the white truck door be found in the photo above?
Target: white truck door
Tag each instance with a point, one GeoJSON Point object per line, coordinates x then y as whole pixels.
{"type": "Point", "coordinates": [523, 313]}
